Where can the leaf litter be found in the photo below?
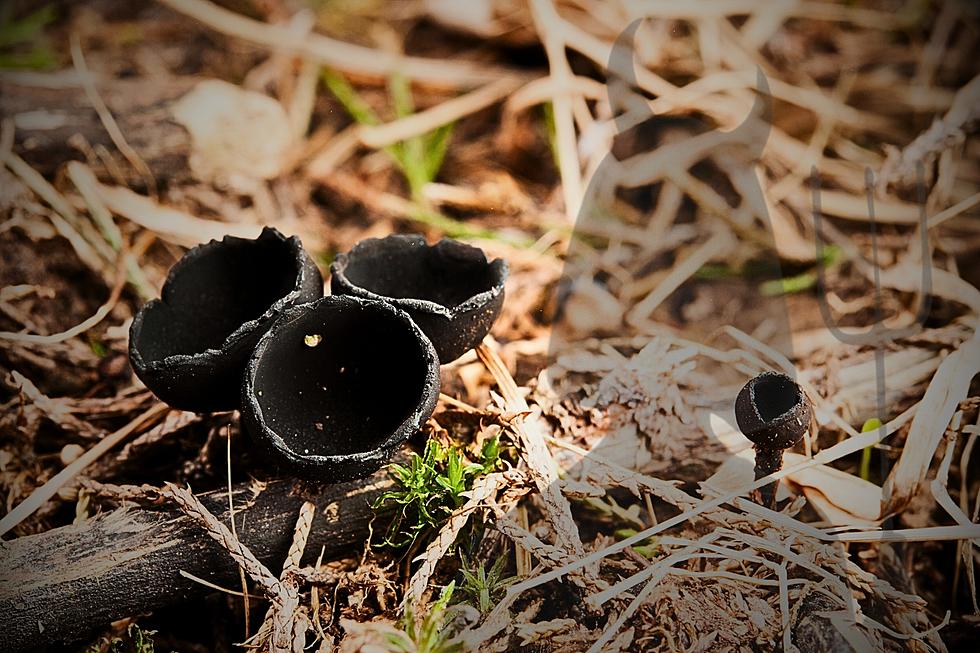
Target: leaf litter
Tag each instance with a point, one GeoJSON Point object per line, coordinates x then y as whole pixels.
{"type": "Point", "coordinates": [610, 511]}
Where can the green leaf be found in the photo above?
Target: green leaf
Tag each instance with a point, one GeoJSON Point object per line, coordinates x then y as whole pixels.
{"type": "Point", "coordinates": [27, 29]}
{"type": "Point", "coordinates": [789, 285]}
{"type": "Point", "coordinates": [359, 110]}
{"type": "Point", "coordinates": [435, 150]}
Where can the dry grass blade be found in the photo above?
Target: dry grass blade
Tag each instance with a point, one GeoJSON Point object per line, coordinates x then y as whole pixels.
{"type": "Point", "coordinates": [379, 136]}
{"type": "Point", "coordinates": [192, 506]}
{"type": "Point", "coordinates": [78, 59]}
{"type": "Point", "coordinates": [531, 429]}
{"type": "Point", "coordinates": [949, 386]}
{"type": "Point", "coordinates": [80, 328]}
{"type": "Point", "coordinates": [483, 489]}
{"type": "Point", "coordinates": [546, 21]}
{"type": "Point", "coordinates": [171, 224]}
{"type": "Point", "coordinates": [44, 493]}
{"type": "Point", "coordinates": [336, 54]}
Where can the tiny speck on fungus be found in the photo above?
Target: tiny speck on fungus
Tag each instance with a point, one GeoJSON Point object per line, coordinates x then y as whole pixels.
{"type": "Point", "coordinates": [312, 340]}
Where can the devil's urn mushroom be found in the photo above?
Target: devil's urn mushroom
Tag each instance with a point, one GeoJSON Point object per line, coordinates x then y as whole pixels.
{"type": "Point", "coordinates": [450, 289]}
{"type": "Point", "coordinates": [190, 346]}
{"type": "Point", "coordinates": [337, 385]}
{"type": "Point", "coordinates": [774, 413]}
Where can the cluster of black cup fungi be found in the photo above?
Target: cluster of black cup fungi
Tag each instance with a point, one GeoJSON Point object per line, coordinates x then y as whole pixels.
{"type": "Point", "coordinates": [329, 386]}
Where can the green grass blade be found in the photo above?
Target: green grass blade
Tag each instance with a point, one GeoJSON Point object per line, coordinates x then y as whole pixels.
{"type": "Point", "coordinates": [355, 105]}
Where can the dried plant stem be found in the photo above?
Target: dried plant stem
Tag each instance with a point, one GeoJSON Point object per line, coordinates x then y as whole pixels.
{"type": "Point", "coordinates": [88, 84]}
{"type": "Point", "coordinates": [483, 489]}
{"type": "Point", "coordinates": [954, 211]}
{"type": "Point", "coordinates": [845, 448]}
{"type": "Point", "coordinates": [81, 327]}
{"type": "Point", "coordinates": [720, 242]}
{"type": "Point", "coordinates": [379, 136]}
{"type": "Point", "coordinates": [91, 250]}
{"type": "Point", "coordinates": [547, 22]}
{"type": "Point", "coordinates": [234, 532]}
{"type": "Point", "coordinates": [530, 430]}
{"type": "Point", "coordinates": [949, 385]}
{"type": "Point", "coordinates": [170, 224]}
{"type": "Point", "coordinates": [338, 54]}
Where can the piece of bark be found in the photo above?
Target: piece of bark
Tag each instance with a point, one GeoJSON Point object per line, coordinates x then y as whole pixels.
{"type": "Point", "coordinates": [55, 122]}
{"type": "Point", "coordinates": [813, 632]}
{"type": "Point", "coordinates": [63, 584]}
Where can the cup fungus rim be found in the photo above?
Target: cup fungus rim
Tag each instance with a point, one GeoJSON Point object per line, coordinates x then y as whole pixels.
{"type": "Point", "coordinates": [498, 268]}
{"type": "Point", "coordinates": [755, 426]}
{"type": "Point", "coordinates": [414, 421]}
{"type": "Point", "coordinates": [245, 328]}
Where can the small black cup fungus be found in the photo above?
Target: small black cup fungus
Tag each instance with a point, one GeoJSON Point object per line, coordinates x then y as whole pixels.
{"type": "Point", "coordinates": [337, 385]}
{"type": "Point", "coordinates": [450, 289]}
{"type": "Point", "coordinates": [774, 413]}
{"type": "Point", "coordinates": [190, 347]}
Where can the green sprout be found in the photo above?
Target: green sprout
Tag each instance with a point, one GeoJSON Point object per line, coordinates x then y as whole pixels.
{"type": "Point", "coordinates": [134, 640]}
{"type": "Point", "coordinates": [829, 256]}
{"type": "Point", "coordinates": [484, 588]}
{"type": "Point", "coordinates": [418, 158]}
{"type": "Point", "coordinates": [432, 635]}
{"type": "Point", "coordinates": [872, 424]}
{"type": "Point", "coordinates": [551, 132]}
{"type": "Point", "coordinates": [430, 487]}
{"type": "Point", "coordinates": [648, 548]}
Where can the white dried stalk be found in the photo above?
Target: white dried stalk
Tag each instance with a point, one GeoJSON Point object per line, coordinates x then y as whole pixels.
{"type": "Point", "coordinates": [531, 430]}
{"type": "Point", "coordinates": [902, 167]}
{"type": "Point", "coordinates": [950, 385]}
{"type": "Point", "coordinates": [483, 489]}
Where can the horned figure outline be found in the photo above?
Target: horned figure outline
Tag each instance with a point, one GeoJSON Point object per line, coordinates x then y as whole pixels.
{"type": "Point", "coordinates": [878, 334]}
{"type": "Point", "coordinates": [646, 168]}
{"type": "Point", "coordinates": [630, 110]}
{"type": "Point", "coordinates": [643, 169]}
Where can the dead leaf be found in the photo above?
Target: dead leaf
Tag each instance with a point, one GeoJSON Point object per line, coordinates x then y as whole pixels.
{"type": "Point", "coordinates": [225, 122]}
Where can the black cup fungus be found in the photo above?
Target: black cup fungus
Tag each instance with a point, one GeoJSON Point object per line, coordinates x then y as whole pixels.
{"type": "Point", "coordinates": [190, 347]}
{"type": "Point", "coordinates": [450, 289]}
{"type": "Point", "coordinates": [774, 413]}
{"type": "Point", "coordinates": [337, 385]}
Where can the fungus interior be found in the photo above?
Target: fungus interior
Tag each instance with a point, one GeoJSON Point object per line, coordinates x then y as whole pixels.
{"type": "Point", "coordinates": [215, 291]}
{"type": "Point", "coordinates": [774, 395]}
{"type": "Point", "coordinates": [348, 393]}
{"type": "Point", "coordinates": [447, 273]}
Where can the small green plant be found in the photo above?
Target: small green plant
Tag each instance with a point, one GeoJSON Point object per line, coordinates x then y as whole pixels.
{"type": "Point", "coordinates": [134, 640]}
{"type": "Point", "coordinates": [430, 487]}
{"type": "Point", "coordinates": [433, 635]}
{"type": "Point", "coordinates": [484, 588]}
{"type": "Point", "coordinates": [829, 256]}
{"type": "Point", "coordinates": [550, 131]}
{"type": "Point", "coordinates": [418, 158]}
{"type": "Point", "coordinates": [649, 548]}
{"type": "Point", "coordinates": [22, 40]}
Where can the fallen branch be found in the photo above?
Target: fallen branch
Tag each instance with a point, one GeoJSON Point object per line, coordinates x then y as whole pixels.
{"type": "Point", "coordinates": [60, 585]}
